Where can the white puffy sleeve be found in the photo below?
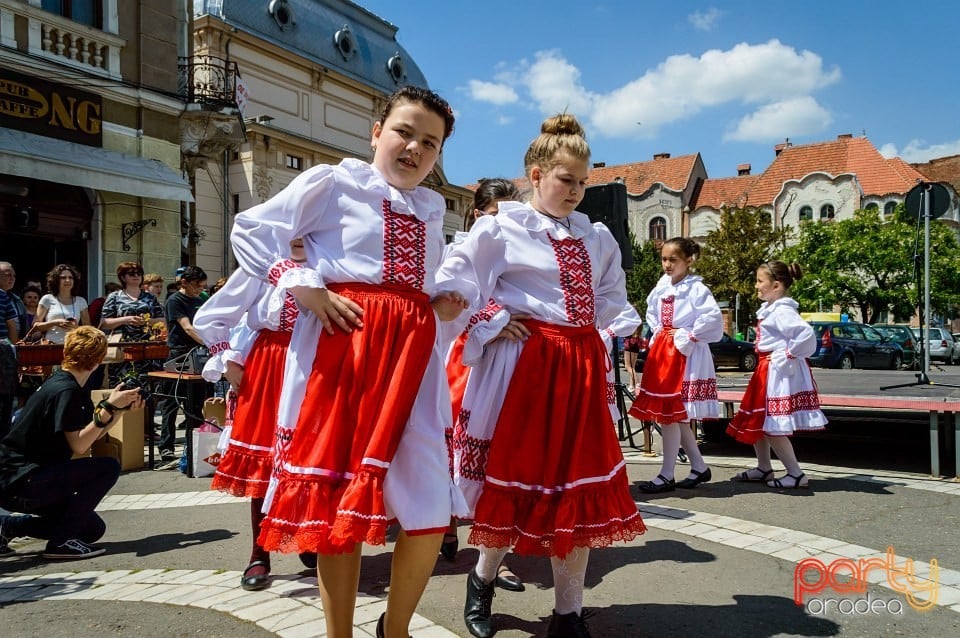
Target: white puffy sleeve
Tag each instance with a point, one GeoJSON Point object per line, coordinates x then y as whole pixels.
{"type": "Point", "coordinates": [221, 313]}
{"type": "Point", "coordinates": [799, 335]}
{"type": "Point", "coordinates": [611, 294]}
{"type": "Point", "coordinates": [473, 266]}
{"type": "Point", "coordinates": [708, 326]}
{"type": "Point", "coordinates": [623, 325]}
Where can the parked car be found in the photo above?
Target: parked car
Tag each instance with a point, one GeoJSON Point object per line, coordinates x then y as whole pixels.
{"type": "Point", "coordinates": [849, 344]}
{"type": "Point", "coordinates": [943, 347]}
{"type": "Point", "coordinates": [727, 353]}
{"type": "Point", "coordinates": [733, 353]}
{"type": "Point", "coordinates": [904, 336]}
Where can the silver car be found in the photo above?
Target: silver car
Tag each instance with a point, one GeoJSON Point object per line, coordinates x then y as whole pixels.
{"type": "Point", "coordinates": [943, 347]}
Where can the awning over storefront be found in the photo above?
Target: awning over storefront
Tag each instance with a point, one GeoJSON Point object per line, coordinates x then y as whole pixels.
{"type": "Point", "coordinates": [53, 160]}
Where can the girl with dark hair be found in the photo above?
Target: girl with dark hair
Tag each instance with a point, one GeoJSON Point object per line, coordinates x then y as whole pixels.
{"type": "Point", "coordinates": [365, 394]}
{"type": "Point", "coordinates": [570, 492]}
{"type": "Point", "coordinates": [679, 382]}
{"type": "Point", "coordinates": [781, 397]}
{"type": "Point", "coordinates": [61, 311]}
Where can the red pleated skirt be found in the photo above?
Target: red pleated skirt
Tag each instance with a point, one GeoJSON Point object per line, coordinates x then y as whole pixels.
{"type": "Point", "coordinates": [358, 399]}
{"type": "Point", "coordinates": [659, 397]}
{"type": "Point", "coordinates": [245, 467]}
{"type": "Point", "coordinates": [556, 478]}
{"type": "Point", "coordinates": [457, 375]}
{"type": "Point", "coordinates": [746, 425]}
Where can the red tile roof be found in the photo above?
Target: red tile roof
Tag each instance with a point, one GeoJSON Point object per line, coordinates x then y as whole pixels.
{"type": "Point", "coordinates": [857, 155]}
{"type": "Point", "coordinates": [725, 191]}
{"type": "Point", "coordinates": [942, 169]}
{"type": "Point", "coordinates": [672, 172]}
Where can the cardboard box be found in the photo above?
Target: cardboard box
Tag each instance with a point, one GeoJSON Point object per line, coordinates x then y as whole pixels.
{"type": "Point", "coordinates": [215, 411]}
{"type": "Point", "coordinates": [128, 432]}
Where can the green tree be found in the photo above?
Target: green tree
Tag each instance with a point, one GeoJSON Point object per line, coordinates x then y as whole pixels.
{"type": "Point", "coordinates": [645, 273]}
{"type": "Point", "coordinates": [731, 254]}
{"type": "Point", "coordinates": [867, 263]}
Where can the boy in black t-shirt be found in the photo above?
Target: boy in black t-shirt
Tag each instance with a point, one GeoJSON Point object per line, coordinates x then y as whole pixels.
{"type": "Point", "coordinates": [38, 475]}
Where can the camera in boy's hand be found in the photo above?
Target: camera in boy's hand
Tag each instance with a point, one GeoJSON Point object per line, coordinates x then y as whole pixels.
{"type": "Point", "coordinates": [132, 381]}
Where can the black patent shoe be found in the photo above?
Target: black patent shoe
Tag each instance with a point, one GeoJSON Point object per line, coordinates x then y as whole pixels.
{"type": "Point", "coordinates": [572, 625]}
{"type": "Point", "coordinates": [450, 546]}
{"type": "Point", "coordinates": [478, 609]}
{"type": "Point", "coordinates": [507, 580]}
{"type": "Point", "coordinates": [667, 485]}
{"type": "Point", "coordinates": [308, 559]}
{"type": "Point", "coordinates": [699, 477]}
{"type": "Point", "coordinates": [380, 622]}
{"type": "Point", "coordinates": [258, 581]}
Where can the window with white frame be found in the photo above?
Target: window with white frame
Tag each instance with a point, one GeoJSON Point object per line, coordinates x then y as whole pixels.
{"type": "Point", "coordinates": [88, 12]}
{"type": "Point", "coordinates": [658, 229]}
{"type": "Point", "coordinates": [295, 162]}
{"type": "Point", "coordinates": [806, 213]}
{"type": "Point", "coordinates": [827, 211]}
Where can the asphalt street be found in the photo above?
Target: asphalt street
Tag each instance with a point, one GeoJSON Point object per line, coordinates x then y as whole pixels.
{"type": "Point", "coordinates": [718, 560]}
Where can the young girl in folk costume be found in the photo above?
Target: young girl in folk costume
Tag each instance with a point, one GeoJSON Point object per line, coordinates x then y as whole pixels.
{"type": "Point", "coordinates": [368, 446]}
{"type": "Point", "coordinates": [253, 363]}
{"type": "Point", "coordinates": [781, 397]}
{"type": "Point", "coordinates": [493, 321]}
{"type": "Point", "coordinates": [570, 491]}
{"type": "Point", "coordinates": [679, 382]}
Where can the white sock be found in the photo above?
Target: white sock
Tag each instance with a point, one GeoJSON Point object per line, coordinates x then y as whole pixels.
{"type": "Point", "coordinates": [784, 450]}
{"type": "Point", "coordinates": [489, 562]}
{"type": "Point", "coordinates": [568, 577]}
{"type": "Point", "coordinates": [671, 447]}
{"type": "Point", "coordinates": [689, 442]}
{"type": "Point", "coordinates": [762, 448]}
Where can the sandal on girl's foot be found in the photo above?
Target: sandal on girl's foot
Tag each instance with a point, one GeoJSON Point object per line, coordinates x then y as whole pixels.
{"type": "Point", "coordinates": [450, 546]}
{"type": "Point", "coordinates": [790, 482]}
{"type": "Point", "coordinates": [256, 576]}
{"type": "Point", "coordinates": [754, 475]}
{"type": "Point", "coordinates": [506, 579]}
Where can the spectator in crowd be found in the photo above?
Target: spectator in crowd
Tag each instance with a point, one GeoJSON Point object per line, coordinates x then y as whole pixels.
{"type": "Point", "coordinates": [8, 277]}
{"type": "Point", "coordinates": [9, 334]}
{"type": "Point", "coordinates": [31, 300]}
{"type": "Point", "coordinates": [181, 307]}
{"type": "Point", "coordinates": [217, 286]}
{"type": "Point", "coordinates": [57, 494]}
{"type": "Point", "coordinates": [131, 311]}
{"type": "Point", "coordinates": [153, 283]}
{"type": "Point", "coordinates": [173, 287]}
{"type": "Point", "coordinates": [61, 311]}
{"type": "Point", "coordinates": [96, 306]}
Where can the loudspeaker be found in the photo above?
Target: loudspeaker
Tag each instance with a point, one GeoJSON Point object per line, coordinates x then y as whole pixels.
{"type": "Point", "coordinates": [607, 203]}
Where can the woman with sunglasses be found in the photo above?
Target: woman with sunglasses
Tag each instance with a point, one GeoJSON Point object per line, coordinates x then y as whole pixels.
{"type": "Point", "coordinates": [127, 310]}
{"type": "Point", "coordinates": [61, 311]}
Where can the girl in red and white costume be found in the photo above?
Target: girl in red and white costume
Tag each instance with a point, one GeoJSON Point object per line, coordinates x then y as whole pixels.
{"type": "Point", "coordinates": [368, 444]}
{"type": "Point", "coordinates": [252, 361]}
{"type": "Point", "coordinates": [781, 397]}
{"type": "Point", "coordinates": [536, 451]}
{"type": "Point", "coordinates": [679, 382]}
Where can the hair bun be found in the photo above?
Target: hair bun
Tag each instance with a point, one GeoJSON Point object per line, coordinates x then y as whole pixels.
{"type": "Point", "coordinates": [562, 124]}
{"type": "Point", "coordinates": [795, 271]}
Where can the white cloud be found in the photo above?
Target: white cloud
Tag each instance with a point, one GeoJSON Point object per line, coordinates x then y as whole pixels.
{"type": "Point", "coordinates": [769, 74]}
{"type": "Point", "coordinates": [554, 84]}
{"type": "Point", "coordinates": [917, 151]}
{"type": "Point", "coordinates": [705, 21]}
{"type": "Point", "coordinates": [795, 117]}
{"type": "Point", "coordinates": [495, 93]}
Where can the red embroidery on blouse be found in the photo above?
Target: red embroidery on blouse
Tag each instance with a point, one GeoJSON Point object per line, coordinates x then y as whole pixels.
{"type": "Point", "coordinates": [217, 348]}
{"type": "Point", "coordinates": [404, 249]}
{"type": "Point", "coordinates": [666, 312]}
{"type": "Point", "coordinates": [576, 279]}
{"type": "Point", "coordinates": [288, 313]}
{"type": "Point", "coordinates": [485, 315]}
{"type": "Point", "coordinates": [276, 270]}
{"type": "Point", "coordinates": [611, 392]}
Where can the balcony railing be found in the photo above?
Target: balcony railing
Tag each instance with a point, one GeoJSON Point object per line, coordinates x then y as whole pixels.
{"type": "Point", "coordinates": [60, 39]}
{"type": "Point", "coordinates": [208, 80]}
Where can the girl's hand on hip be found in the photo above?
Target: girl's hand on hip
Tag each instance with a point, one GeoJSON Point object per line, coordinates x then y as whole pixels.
{"type": "Point", "coordinates": [332, 309]}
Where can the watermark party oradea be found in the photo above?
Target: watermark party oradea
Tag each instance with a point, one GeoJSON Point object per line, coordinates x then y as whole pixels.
{"type": "Point", "coordinates": [847, 578]}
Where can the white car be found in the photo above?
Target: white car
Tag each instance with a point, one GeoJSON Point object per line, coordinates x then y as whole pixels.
{"type": "Point", "coordinates": [943, 347]}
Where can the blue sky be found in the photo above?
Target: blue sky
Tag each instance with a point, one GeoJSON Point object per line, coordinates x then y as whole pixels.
{"type": "Point", "coordinates": [726, 79]}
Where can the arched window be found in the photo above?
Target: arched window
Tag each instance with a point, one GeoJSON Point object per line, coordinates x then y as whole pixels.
{"type": "Point", "coordinates": [827, 211]}
{"type": "Point", "coordinates": [888, 208]}
{"type": "Point", "coordinates": [806, 213]}
{"type": "Point", "coordinates": [658, 229]}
